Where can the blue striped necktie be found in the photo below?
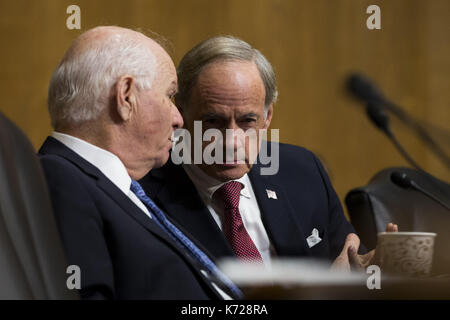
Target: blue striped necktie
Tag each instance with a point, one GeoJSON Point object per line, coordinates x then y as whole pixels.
{"type": "Point", "coordinates": [182, 240]}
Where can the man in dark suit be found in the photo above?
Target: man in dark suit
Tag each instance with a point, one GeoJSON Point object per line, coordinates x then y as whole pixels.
{"type": "Point", "coordinates": [110, 105]}
{"type": "Point", "coordinates": [235, 208]}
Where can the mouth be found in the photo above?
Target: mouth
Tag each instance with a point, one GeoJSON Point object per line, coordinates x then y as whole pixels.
{"type": "Point", "coordinates": [233, 163]}
{"type": "Point", "coordinates": [228, 164]}
{"type": "Point", "coordinates": [173, 138]}
{"type": "Point", "coordinates": [172, 141]}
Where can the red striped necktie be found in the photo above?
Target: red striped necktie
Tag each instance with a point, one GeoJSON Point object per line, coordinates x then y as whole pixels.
{"type": "Point", "coordinates": [233, 227]}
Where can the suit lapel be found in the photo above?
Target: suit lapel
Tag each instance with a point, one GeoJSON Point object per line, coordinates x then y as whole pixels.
{"type": "Point", "coordinates": [285, 233]}
{"type": "Point", "coordinates": [178, 197]}
{"type": "Point", "coordinates": [131, 209]}
{"type": "Point", "coordinates": [53, 146]}
{"type": "Point", "coordinates": [136, 213]}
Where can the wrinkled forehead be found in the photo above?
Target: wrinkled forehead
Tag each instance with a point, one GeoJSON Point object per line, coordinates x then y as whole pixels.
{"type": "Point", "coordinates": [231, 83]}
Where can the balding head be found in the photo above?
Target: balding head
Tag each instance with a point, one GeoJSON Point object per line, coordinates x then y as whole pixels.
{"type": "Point", "coordinates": [114, 89]}
{"type": "Point", "coordinates": [81, 85]}
{"type": "Point", "coordinates": [99, 37]}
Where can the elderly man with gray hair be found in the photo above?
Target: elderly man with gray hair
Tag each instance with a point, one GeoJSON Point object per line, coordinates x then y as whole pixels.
{"type": "Point", "coordinates": [110, 103]}
{"type": "Point", "coordinates": [232, 207]}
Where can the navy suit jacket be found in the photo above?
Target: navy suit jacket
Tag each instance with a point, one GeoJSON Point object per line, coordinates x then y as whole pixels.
{"type": "Point", "coordinates": [306, 200]}
{"type": "Point", "coordinates": [122, 253]}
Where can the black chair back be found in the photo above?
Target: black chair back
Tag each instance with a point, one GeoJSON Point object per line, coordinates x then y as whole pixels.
{"type": "Point", "coordinates": [32, 262]}
{"type": "Point", "coordinates": [381, 201]}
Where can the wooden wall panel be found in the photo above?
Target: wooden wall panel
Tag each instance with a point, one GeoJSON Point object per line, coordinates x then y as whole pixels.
{"type": "Point", "coordinates": [313, 45]}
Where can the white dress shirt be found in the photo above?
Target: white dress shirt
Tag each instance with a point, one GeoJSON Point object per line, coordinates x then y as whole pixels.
{"type": "Point", "coordinates": [248, 208]}
{"type": "Point", "coordinates": [108, 163]}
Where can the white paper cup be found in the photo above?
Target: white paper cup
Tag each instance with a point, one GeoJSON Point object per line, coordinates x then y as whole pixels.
{"type": "Point", "coordinates": [406, 253]}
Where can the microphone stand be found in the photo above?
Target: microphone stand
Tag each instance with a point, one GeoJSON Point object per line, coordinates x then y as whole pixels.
{"type": "Point", "coordinates": [403, 152]}
{"type": "Point", "coordinates": [381, 121]}
{"type": "Point", "coordinates": [419, 129]}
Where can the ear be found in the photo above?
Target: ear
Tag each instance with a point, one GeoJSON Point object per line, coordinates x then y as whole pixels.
{"type": "Point", "coordinates": [125, 97]}
{"type": "Point", "coordinates": [268, 117]}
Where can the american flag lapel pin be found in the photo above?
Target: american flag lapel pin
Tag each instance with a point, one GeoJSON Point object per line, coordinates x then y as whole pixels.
{"type": "Point", "coordinates": [271, 194]}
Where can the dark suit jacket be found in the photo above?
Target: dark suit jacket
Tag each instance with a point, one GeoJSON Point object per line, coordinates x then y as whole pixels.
{"type": "Point", "coordinates": [306, 200]}
{"type": "Point", "coordinates": [122, 253]}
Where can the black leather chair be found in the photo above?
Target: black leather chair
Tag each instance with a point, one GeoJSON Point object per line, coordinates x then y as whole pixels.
{"type": "Point", "coordinates": [381, 201]}
{"type": "Point", "coordinates": [32, 262]}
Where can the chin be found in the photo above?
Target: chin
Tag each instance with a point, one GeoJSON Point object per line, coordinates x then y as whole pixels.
{"type": "Point", "coordinates": [161, 160]}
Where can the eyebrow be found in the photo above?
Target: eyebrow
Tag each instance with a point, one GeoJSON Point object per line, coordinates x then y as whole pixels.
{"type": "Point", "coordinates": [219, 116]}
{"type": "Point", "coordinates": [211, 115]}
{"type": "Point", "coordinates": [250, 114]}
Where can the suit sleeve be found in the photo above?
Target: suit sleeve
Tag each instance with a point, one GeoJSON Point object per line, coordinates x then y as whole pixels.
{"type": "Point", "coordinates": [338, 225]}
{"type": "Point", "coordinates": [80, 227]}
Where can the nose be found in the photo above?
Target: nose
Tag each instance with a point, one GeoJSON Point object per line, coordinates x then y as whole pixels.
{"type": "Point", "coordinates": [233, 141]}
{"type": "Point", "coordinates": [177, 119]}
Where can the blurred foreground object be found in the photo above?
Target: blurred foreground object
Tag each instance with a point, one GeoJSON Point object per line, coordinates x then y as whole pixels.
{"type": "Point", "coordinates": [311, 279]}
{"type": "Point", "coordinates": [32, 263]}
{"type": "Point", "coordinates": [293, 279]}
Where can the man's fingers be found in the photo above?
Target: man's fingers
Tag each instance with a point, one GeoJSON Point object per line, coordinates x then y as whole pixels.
{"type": "Point", "coordinates": [354, 260]}
{"type": "Point", "coordinates": [352, 240]}
{"type": "Point", "coordinates": [341, 264]}
{"type": "Point", "coordinates": [391, 227]}
{"type": "Point", "coordinates": [368, 258]}
{"type": "Point", "coordinates": [376, 256]}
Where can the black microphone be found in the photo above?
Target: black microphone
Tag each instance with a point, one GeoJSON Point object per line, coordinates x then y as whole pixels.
{"type": "Point", "coordinates": [402, 180]}
{"type": "Point", "coordinates": [363, 88]}
{"type": "Point", "coordinates": [381, 120]}
{"type": "Point", "coordinates": [379, 117]}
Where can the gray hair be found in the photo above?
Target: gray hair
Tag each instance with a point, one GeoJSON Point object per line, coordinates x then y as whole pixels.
{"type": "Point", "coordinates": [218, 49]}
{"type": "Point", "coordinates": [80, 86]}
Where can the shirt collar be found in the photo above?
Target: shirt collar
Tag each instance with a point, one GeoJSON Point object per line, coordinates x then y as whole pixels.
{"type": "Point", "coordinates": [207, 185]}
{"type": "Point", "coordinates": [108, 163]}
